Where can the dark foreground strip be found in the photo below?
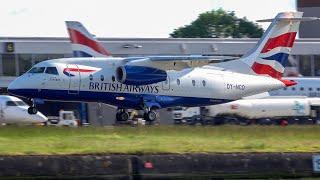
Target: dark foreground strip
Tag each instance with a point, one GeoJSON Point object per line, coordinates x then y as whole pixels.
{"type": "Point", "coordinates": [233, 165]}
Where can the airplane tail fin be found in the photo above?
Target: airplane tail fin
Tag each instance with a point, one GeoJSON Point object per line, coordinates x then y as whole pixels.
{"type": "Point", "coordinates": [83, 43]}
{"type": "Point", "coordinates": [270, 55]}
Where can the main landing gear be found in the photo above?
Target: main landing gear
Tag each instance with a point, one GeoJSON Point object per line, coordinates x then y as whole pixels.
{"type": "Point", "coordinates": [150, 115]}
{"type": "Point", "coordinates": [122, 115]}
{"type": "Point", "coordinates": [32, 109]}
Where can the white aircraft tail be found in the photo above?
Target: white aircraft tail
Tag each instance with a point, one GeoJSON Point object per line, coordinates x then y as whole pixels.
{"type": "Point", "coordinates": [270, 55]}
{"type": "Point", "coordinates": [83, 43]}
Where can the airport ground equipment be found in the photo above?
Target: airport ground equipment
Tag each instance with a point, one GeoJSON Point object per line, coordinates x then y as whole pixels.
{"type": "Point", "coordinates": [272, 110]}
{"type": "Point", "coordinates": [66, 118]}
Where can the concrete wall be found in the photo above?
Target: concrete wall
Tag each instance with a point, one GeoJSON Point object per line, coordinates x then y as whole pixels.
{"type": "Point", "coordinates": [200, 166]}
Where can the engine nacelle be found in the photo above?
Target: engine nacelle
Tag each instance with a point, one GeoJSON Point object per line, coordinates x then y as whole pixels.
{"type": "Point", "coordinates": [139, 75]}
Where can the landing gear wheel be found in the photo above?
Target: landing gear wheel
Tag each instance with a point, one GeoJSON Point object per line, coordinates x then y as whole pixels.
{"type": "Point", "coordinates": [151, 116]}
{"type": "Point", "coordinates": [122, 116]}
{"type": "Point", "coordinates": [32, 110]}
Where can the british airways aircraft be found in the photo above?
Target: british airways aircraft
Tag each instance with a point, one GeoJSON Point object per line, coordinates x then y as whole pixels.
{"type": "Point", "coordinates": [307, 86]}
{"type": "Point", "coordinates": [149, 83]}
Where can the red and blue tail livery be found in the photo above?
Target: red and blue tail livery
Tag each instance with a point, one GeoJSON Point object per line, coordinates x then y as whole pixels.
{"type": "Point", "coordinates": [83, 43]}
{"type": "Point", "coordinates": [270, 56]}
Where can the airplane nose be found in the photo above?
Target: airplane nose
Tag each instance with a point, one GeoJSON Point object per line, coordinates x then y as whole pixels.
{"type": "Point", "coordinates": [12, 88]}
{"type": "Point", "coordinates": [39, 117]}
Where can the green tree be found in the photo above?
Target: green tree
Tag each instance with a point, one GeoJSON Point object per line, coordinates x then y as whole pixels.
{"type": "Point", "coordinates": [218, 24]}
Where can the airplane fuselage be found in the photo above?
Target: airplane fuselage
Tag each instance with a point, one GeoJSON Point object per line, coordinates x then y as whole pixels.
{"type": "Point", "coordinates": [85, 79]}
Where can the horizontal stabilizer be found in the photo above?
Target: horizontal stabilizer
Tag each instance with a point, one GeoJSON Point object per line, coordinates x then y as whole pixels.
{"type": "Point", "coordinates": [291, 19]}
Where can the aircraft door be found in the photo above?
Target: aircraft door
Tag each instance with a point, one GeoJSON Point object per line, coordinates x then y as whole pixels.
{"type": "Point", "coordinates": [74, 78]}
{"type": "Point", "coordinates": [166, 84]}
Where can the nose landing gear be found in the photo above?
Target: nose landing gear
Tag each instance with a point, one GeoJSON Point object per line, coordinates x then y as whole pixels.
{"type": "Point", "coordinates": [32, 109]}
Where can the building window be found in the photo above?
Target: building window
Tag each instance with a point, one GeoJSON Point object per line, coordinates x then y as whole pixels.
{"type": "Point", "coordinates": [193, 82]}
{"type": "Point", "coordinates": [39, 57]}
{"type": "Point", "coordinates": [318, 89]}
{"type": "Point", "coordinates": [102, 78]}
{"type": "Point", "coordinates": [317, 65]}
{"type": "Point", "coordinates": [178, 81]}
{"type": "Point", "coordinates": [55, 56]}
{"type": "Point", "coordinates": [25, 63]}
{"type": "Point", "coordinates": [293, 89]}
{"type": "Point", "coordinates": [8, 65]}
{"type": "Point", "coordinates": [91, 77]}
{"type": "Point", "coordinates": [310, 89]}
{"type": "Point", "coordinates": [305, 65]}
{"type": "Point", "coordinates": [284, 88]}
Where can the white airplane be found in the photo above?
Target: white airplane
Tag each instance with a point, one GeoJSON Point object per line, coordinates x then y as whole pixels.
{"type": "Point", "coordinates": [14, 111]}
{"type": "Point", "coordinates": [82, 47]}
{"type": "Point", "coordinates": [148, 83]}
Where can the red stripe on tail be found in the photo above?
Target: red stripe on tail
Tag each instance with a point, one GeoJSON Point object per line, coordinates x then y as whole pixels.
{"type": "Point", "coordinates": [284, 40]}
{"type": "Point", "coordinates": [266, 69]}
{"type": "Point", "coordinates": [78, 38]}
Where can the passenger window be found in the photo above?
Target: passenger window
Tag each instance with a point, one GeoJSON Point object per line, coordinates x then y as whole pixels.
{"type": "Point", "coordinates": [91, 77]}
{"type": "Point", "coordinates": [36, 70]}
{"type": "Point", "coordinates": [301, 89]}
{"type": "Point", "coordinates": [204, 83]}
{"type": "Point", "coordinates": [178, 81]}
{"type": "Point", "coordinates": [193, 82]}
{"type": "Point", "coordinates": [102, 78]}
{"type": "Point", "coordinates": [293, 89]}
{"type": "Point", "coordinates": [310, 89]}
{"type": "Point", "coordinates": [318, 89]}
{"type": "Point", "coordinates": [52, 70]}
{"type": "Point", "coordinates": [284, 88]}
{"type": "Point", "coordinates": [11, 103]}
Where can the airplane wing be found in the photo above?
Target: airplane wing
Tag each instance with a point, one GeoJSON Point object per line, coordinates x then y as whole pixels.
{"type": "Point", "coordinates": [176, 62]}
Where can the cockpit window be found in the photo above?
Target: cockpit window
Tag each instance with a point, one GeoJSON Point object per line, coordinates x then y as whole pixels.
{"type": "Point", "coordinates": [16, 103]}
{"type": "Point", "coordinates": [36, 70]}
{"type": "Point", "coordinates": [52, 70]}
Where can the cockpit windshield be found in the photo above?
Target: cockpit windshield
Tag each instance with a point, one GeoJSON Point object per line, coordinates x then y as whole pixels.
{"type": "Point", "coordinates": [16, 103]}
{"type": "Point", "coordinates": [52, 70]}
{"type": "Point", "coordinates": [36, 70]}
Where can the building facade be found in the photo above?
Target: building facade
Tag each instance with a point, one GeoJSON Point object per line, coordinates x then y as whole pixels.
{"type": "Point", "coordinates": [311, 8]}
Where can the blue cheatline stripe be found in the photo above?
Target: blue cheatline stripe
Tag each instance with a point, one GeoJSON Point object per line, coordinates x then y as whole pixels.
{"type": "Point", "coordinates": [282, 58]}
{"type": "Point", "coordinates": [132, 101]}
{"type": "Point", "coordinates": [68, 74]}
{"type": "Point", "coordinates": [81, 54]}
